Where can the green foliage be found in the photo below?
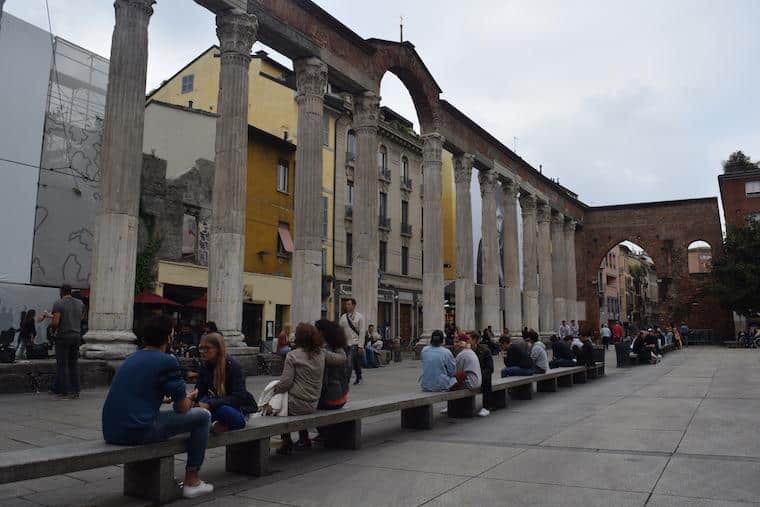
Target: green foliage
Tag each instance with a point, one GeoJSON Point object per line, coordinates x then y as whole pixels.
{"type": "Point", "coordinates": [145, 273]}
{"type": "Point", "coordinates": [636, 272]}
{"type": "Point", "coordinates": [736, 274]}
{"type": "Point", "coordinates": [738, 162]}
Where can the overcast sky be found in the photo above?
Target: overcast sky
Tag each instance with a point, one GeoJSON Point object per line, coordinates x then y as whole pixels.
{"type": "Point", "coordinates": [623, 101]}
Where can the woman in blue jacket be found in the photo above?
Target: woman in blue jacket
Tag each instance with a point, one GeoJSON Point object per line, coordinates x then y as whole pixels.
{"type": "Point", "coordinates": [221, 386]}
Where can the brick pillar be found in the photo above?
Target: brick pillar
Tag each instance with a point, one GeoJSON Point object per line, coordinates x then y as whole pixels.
{"type": "Point", "coordinates": [113, 271]}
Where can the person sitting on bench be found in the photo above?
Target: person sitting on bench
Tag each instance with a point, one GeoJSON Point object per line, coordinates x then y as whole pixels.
{"type": "Point", "coordinates": [221, 386]}
{"type": "Point", "coordinates": [587, 347]}
{"type": "Point", "coordinates": [468, 373]}
{"type": "Point", "coordinates": [517, 362]}
{"type": "Point", "coordinates": [537, 353]}
{"type": "Point", "coordinates": [639, 348]}
{"type": "Point", "coordinates": [131, 414]}
{"type": "Point", "coordinates": [438, 365]}
{"type": "Point", "coordinates": [562, 355]}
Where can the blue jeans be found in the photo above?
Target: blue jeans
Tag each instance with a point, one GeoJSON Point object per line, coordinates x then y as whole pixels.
{"type": "Point", "coordinates": [562, 363]}
{"type": "Point", "coordinates": [229, 416]}
{"type": "Point", "coordinates": [516, 371]}
{"type": "Point", "coordinates": [195, 421]}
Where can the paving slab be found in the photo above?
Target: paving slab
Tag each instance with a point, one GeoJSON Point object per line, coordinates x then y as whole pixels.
{"type": "Point", "coordinates": [368, 486]}
{"type": "Point", "coordinates": [579, 468]}
{"type": "Point", "coordinates": [648, 413]}
{"type": "Point", "coordinates": [491, 492]}
{"type": "Point", "coordinates": [601, 436]}
{"type": "Point", "coordinates": [724, 427]}
{"type": "Point", "coordinates": [681, 501]}
{"type": "Point", "coordinates": [714, 479]}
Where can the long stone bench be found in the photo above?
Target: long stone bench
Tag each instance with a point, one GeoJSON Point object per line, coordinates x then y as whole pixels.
{"type": "Point", "coordinates": [149, 469]}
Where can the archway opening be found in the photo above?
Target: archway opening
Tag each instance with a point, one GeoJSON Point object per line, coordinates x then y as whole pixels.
{"type": "Point", "coordinates": [627, 287]}
{"type": "Point", "coordinates": [700, 257]}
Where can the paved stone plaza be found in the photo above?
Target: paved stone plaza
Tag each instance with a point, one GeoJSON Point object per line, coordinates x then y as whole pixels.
{"type": "Point", "coordinates": [683, 432]}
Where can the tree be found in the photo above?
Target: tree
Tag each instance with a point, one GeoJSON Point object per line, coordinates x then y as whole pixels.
{"type": "Point", "coordinates": [736, 274]}
{"type": "Point", "coordinates": [738, 162]}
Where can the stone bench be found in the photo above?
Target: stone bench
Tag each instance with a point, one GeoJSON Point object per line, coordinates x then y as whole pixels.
{"type": "Point", "coordinates": [149, 469]}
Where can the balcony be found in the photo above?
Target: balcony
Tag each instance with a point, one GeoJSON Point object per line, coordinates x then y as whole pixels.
{"type": "Point", "coordinates": [406, 230]}
{"type": "Point", "coordinates": [349, 213]}
{"type": "Point", "coordinates": [406, 184]}
{"type": "Point", "coordinates": [384, 174]}
{"type": "Point", "coordinates": [384, 223]}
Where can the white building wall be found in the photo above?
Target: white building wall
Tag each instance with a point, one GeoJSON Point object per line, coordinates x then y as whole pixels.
{"type": "Point", "coordinates": [25, 60]}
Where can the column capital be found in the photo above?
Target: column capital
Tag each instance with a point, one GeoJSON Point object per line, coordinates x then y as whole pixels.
{"type": "Point", "coordinates": [487, 181]}
{"type": "Point", "coordinates": [141, 6]}
{"type": "Point", "coordinates": [432, 146]}
{"type": "Point", "coordinates": [236, 31]}
{"type": "Point", "coordinates": [570, 225]}
{"type": "Point", "coordinates": [527, 203]}
{"type": "Point", "coordinates": [544, 212]}
{"type": "Point", "coordinates": [366, 111]}
{"type": "Point", "coordinates": [558, 218]}
{"type": "Point", "coordinates": [510, 189]}
{"type": "Point", "coordinates": [463, 167]}
{"type": "Point", "coordinates": [311, 77]}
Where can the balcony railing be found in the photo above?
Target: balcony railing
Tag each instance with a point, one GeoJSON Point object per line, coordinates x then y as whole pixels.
{"type": "Point", "coordinates": [349, 214]}
{"type": "Point", "coordinates": [384, 223]}
{"type": "Point", "coordinates": [406, 184]}
{"type": "Point", "coordinates": [406, 229]}
{"type": "Point", "coordinates": [384, 174]}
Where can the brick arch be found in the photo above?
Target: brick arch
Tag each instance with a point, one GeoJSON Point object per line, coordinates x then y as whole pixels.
{"type": "Point", "coordinates": [664, 230]}
{"type": "Point", "coordinates": [402, 60]}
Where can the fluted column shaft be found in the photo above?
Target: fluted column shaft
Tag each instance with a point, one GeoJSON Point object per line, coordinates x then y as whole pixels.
{"type": "Point", "coordinates": [237, 32]}
{"type": "Point", "coordinates": [311, 82]}
{"type": "Point", "coordinates": [432, 269]}
{"type": "Point", "coordinates": [113, 271]}
{"type": "Point", "coordinates": [465, 282]}
{"type": "Point", "coordinates": [366, 187]}
{"type": "Point", "coordinates": [546, 288]}
{"type": "Point", "coordinates": [559, 280]}
{"type": "Point", "coordinates": [490, 302]}
{"type": "Point", "coordinates": [512, 288]}
{"type": "Point", "coordinates": [571, 296]}
{"type": "Point", "coordinates": [530, 262]}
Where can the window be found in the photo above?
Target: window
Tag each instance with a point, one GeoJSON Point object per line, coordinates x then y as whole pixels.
{"type": "Point", "coordinates": [350, 193]}
{"type": "Point", "coordinates": [405, 168]}
{"type": "Point", "coordinates": [284, 240]}
{"type": "Point", "coordinates": [324, 261]}
{"type": "Point", "coordinates": [349, 249]}
{"type": "Point", "coordinates": [752, 188]}
{"type": "Point", "coordinates": [187, 83]}
{"type": "Point", "coordinates": [383, 255]}
{"type": "Point", "coordinates": [189, 235]}
{"type": "Point", "coordinates": [351, 145]}
{"type": "Point", "coordinates": [383, 208]}
{"type": "Point", "coordinates": [282, 176]}
{"type": "Point", "coordinates": [326, 130]}
{"type": "Point", "coordinates": [405, 212]}
{"type": "Point", "coordinates": [382, 159]}
{"type": "Point", "coordinates": [404, 260]}
{"type": "Point", "coordinates": [324, 217]}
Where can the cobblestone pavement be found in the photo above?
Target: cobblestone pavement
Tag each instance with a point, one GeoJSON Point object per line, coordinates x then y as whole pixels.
{"type": "Point", "coordinates": [683, 432]}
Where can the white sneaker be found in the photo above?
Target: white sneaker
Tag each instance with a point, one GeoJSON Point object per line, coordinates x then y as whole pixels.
{"type": "Point", "coordinates": [445, 410]}
{"type": "Point", "coordinates": [484, 412]}
{"type": "Point", "coordinates": [203, 488]}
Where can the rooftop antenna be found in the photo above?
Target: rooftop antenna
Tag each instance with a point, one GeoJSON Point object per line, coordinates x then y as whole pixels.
{"type": "Point", "coordinates": [401, 28]}
{"type": "Point", "coordinates": [514, 144]}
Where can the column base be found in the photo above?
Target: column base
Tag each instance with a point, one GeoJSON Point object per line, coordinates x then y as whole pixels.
{"type": "Point", "coordinates": [247, 357]}
{"type": "Point", "coordinates": [108, 344]}
{"type": "Point", "coordinates": [234, 339]}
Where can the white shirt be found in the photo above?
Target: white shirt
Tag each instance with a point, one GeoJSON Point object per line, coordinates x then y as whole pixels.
{"type": "Point", "coordinates": [606, 333]}
{"type": "Point", "coordinates": [564, 331]}
{"type": "Point", "coordinates": [358, 322]}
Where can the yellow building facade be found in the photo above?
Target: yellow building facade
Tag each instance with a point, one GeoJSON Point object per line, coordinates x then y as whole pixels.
{"type": "Point", "coordinates": [273, 128]}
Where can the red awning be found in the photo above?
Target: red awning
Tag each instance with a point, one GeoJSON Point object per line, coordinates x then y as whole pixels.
{"type": "Point", "coordinates": [84, 293]}
{"type": "Point", "coordinates": [287, 241]}
{"type": "Point", "coordinates": [148, 298]}
{"type": "Point", "coordinates": [201, 303]}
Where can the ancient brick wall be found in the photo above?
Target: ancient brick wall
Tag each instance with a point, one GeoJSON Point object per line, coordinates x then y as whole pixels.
{"type": "Point", "coordinates": [664, 230]}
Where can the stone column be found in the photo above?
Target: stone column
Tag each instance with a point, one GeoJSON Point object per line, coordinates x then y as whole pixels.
{"type": "Point", "coordinates": [465, 282]}
{"type": "Point", "coordinates": [366, 188]}
{"type": "Point", "coordinates": [112, 281]}
{"type": "Point", "coordinates": [490, 303]}
{"type": "Point", "coordinates": [544, 252]}
{"type": "Point", "coordinates": [432, 269]}
{"type": "Point", "coordinates": [512, 288]}
{"type": "Point", "coordinates": [237, 32]}
{"type": "Point", "coordinates": [571, 295]}
{"type": "Point", "coordinates": [311, 82]}
{"type": "Point", "coordinates": [530, 262]}
{"type": "Point", "coordinates": [559, 280]}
